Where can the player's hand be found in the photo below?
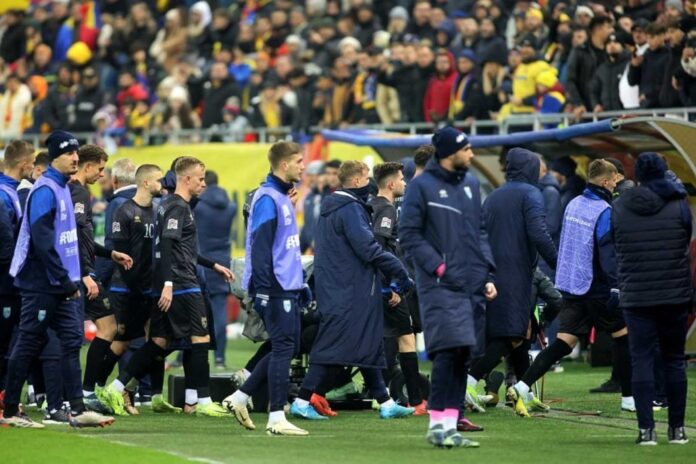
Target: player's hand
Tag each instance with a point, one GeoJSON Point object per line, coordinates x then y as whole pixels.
{"type": "Point", "coordinates": [224, 272]}
{"type": "Point", "coordinates": [122, 259]}
{"type": "Point", "coordinates": [165, 301]}
{"type": "Point", "coordinates": [91, 286]}
{"type": "Point", "coordinates": [490, 292]}
{"type": "Point", "coordinates": [305, 297]}
{"type": "Point", "coordinates": [294, 196]}
{"type": "Point", "coordinates": [394, 300]}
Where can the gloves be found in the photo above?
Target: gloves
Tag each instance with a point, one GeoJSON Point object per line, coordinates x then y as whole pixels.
{"type": "Point", "coordinates": [261, 303]}
{"type": "Point", "coordinates": [440, 271]}
{"type": "Point", "coordinates": [305, 297]}
{"type": "Point", "coordinates": [614, 299]}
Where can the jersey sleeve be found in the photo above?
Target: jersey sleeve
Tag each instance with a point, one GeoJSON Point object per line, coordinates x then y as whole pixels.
{"type": "Point", "coordinates": [173, 221]}
{"type": "Point", "coordinates": [384, 221]}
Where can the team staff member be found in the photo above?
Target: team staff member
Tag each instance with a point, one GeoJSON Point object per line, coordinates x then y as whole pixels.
{"type": "Point", "coordinates": [398, 326]}
{"type": "Point", "coordinates": [182, 310]}
{"type": "Point", "coordinates": [586, 275]}
{"type": "Point", "coordinates": [133, 233]}
{"type": "Point", "coordinates": [273, 275]}
{"type": "Point", "coordinates": [349, 300]}
{"type": "Point", "coordinates": [437, 230]}
{"type": "Point", "coordinates": [19, 162]}
{"type": "Point", "coordinates": [652, 228]}
{"type": "Point", "coordinates": [47, 270]}
{"type": "Point", "coordinates": [100, 358]}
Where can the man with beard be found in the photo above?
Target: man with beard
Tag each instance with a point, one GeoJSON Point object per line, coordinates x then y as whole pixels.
{"type": "Point", "coordinates": [605, 83]}
{"type": "Point", "coordinates": [403, 74]}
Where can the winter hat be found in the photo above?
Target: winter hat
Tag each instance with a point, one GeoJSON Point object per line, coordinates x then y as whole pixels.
{"type": "Point", "coordinates": [61, 142]}
{"type": "Point", "coordinates": [399, 12]}
{"type": "Point", "coordinates": [676, 4]}
{"type": "Point", "coordinates": [650, 166]}
{"type": "Point", "coordinates": [564, 166]}
{"type": "Point", "coordinates": [468, 54]}
{"type": "Point", "coordinates": [583, 9]}
{"type": "Point", "coordinates": [448, 141]}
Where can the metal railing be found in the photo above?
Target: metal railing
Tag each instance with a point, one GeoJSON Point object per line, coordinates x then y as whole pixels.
{"type": "Point", "coordinates": [516, 122]}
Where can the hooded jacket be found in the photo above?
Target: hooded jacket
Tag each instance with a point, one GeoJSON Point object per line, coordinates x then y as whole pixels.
{"type": "Point", "coordinates": [437, 95]}
{"type": "Point", "coordinates": [517, 231]}
{"type": "Point", "coordinates": [652, 231]}
{"type": "Point", "coordinates": [347, 284]}
{"type": "Point", "coordinates": [605, 84]}
{"type": "Point", "coordinates": [214, 214]}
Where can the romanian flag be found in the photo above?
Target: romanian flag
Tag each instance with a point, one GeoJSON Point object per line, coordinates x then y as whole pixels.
{"type": "Point", "coordinates": [88, 30]}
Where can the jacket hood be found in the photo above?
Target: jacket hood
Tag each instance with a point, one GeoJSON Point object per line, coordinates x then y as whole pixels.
{"type": "Point", "coordinates": [452, 69]}
{"type": "Point", "coordinates": [522, 166]}
{"type": "Point", "coordinates": [338, 200]}
{"type": "Point", "coordinates": [215, 197]}
{"type": "Point", "coordinates": [549, 181]}
{"type": "Point", "coordinates": [643, 201]}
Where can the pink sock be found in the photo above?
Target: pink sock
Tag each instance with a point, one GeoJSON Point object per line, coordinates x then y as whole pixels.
{"type": "Point", "coordinates": [449, 418]}
{"type": "Point", "coordinates": [437, 416]}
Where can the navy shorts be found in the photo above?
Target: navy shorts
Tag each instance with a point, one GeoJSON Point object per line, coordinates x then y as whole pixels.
{"type": "Point", "coordinates": [132, 311]}
{"type": "Point", "coordinates": [187, 317]}
{"type": "Point", "coordinates": [99, 307]}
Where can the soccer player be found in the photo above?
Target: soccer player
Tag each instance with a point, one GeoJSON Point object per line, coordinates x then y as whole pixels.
{"type": "Point", "coordinates": [349, 300]}
{"type": "Point", "coordinates": [398, 325]}
{"type": "Point", "coordinates": [46, 265]}
{"type": "Point", "coordinates": [273, 275]}
{"type": "Point", "coordinates": [100, 358]}
{"type": "Point", "coordinates": [181, 310]}
{"type": "Point", "coordinates": [436, 230]}
{"type": "Point", "coordinates": [586, 277]}
{"type": "Point", "coordinates": [40, 166]}
{"type": "Point", "coordinates": [133, 233]}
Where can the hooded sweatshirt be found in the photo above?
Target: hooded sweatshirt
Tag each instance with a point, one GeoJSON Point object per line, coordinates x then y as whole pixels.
{"type": "Point", "coordinates": [437, 95]}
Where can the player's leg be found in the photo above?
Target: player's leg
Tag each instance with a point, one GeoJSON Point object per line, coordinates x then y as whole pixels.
{"type": "Point", "coordinates": [301, 407]}
{"type": "Point", "coordinates": [51, 358]}
{"type": "Point", "coordinates": [388, 409]}
{"type": "Point", "coordinates": [99, 354]}
{"type": "Point", "coordinates": [218, 303]}
{"type": "Point", "coordinates": [408, 359]}
{"type": "Point", "coordinates": [10, 307]}
{"type": "Point", "coordinates": [496, 350]}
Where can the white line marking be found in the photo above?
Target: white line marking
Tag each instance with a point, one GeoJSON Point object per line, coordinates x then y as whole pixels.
{"type": "Point", "coordinates": [171, 453]}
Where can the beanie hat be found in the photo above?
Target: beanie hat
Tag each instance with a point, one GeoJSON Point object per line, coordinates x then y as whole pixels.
{"type": "Point", "coordinates": [61, 142]}
{"type": "Point", "coordinates": [650, 166]}
{"type": "Point", "coordinates": [79, 54]}
{"type": "Point", "coordinates": [617, 164]}
{"type": "Point", "coordinates": [564, 166]}
{"type": "Point", "coordinates": [399, 12]}
{"type": "Point", "coordinates": [447, 141]}
{"type": "Point", "coordinates": [676, 4]}
{"type": "Point", "coordinates": [468, 54]}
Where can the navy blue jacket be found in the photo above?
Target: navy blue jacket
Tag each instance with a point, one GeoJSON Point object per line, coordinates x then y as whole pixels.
{"type": "Point", "coordinates": [9, 222]}
{"type": "Point", "coordinates": [551, 192]}
{"type": "Point", "coordinates": [516, 225]}
{"type": "Point", "coordinates": [347, 263]}
{"type": "Point", "coordinates": [604, 271]}
{"type": "Point", "coordinates": [440, 223]}
{"type": "Point", "coordinates": [105, 266]}
{"type": "Point", "coordinates": [214, 214]}
{"type": "Point", "coordinates": [311, 205]}
{"type": "Point", "coordinates": [264, 220]}
{"type": "Point", "coordinates": [42, 255]}
{"type": "Point", "coordinates": [573, 187]}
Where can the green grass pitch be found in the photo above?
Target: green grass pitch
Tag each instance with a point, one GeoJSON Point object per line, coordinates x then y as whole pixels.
{"type": "Point", "coordinates": [361, 437]}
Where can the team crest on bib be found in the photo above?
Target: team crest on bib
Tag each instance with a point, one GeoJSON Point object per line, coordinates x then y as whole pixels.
{"type": "Point", "coordinates": [172, 224]}
{"type": "Point", "coordinates": [6, 312]}
{"type": "Point", "coordinates": [287, 306]}
{"type": "Point", "coordinates": [42, 315]}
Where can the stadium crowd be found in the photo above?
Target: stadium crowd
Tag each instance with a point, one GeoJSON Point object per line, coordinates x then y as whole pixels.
{"type": "Point", "coordinates": [118, 68]}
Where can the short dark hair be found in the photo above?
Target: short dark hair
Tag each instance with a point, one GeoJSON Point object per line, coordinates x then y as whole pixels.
{"type": "Point", "coordinates": [617, 164]}
{"type": "Point", "coordinates": [211, 178]}
{"type": "Point", "coordinates": [41, 159]}
{"type": "Point", "coordinates": [599, 21]}
{"type": "Point", "coordinates": [423, 154]}
{"type": "Point", "coordinates": [280, 151]}
{"type": "Point", "coordinates": [185, 163]}
{"type": "Point", "coordinates": [144, 170]}
{"type": "Point", "coordinates": [655, 28]}
{"type": "Point", "coordinates": [16, 152]}
{"type": "Point", "coordinates": [384, 171]}
{"type": "Point", "coordinates": [334, 164]}
{"type": "Point", "coordinates": [351, 169]}
{"type": "Point", "coordinates": [91, 153]}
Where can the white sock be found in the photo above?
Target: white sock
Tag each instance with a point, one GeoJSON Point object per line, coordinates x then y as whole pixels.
{"type": "Point", "coordinates": [627, 400]}
{"type": "Point", "coordinates": [470, 381]}
{"type": "Point", "coordinates": [240, 397]}
{"type": "Point", "coordinates": [191, 396]}
{"type": "Point", "coordinates": [388, 404]}
{"type": "Point", "coordinates": [449, 423]}
{"type": "Point", "coordinates": [522, 388]}
{"type": "Point", "coordinates": [301, 403]}
{"type": "Point", "coordinates": [276, 416]}
{"type": "Point", "coordinates": [204, 401]}
{"type": "Point", "coordinates": [118, 386]}
{"type": "Point", "coordinates": [246, 373]}
{"type": "Point", "coordinates": [87, 393]}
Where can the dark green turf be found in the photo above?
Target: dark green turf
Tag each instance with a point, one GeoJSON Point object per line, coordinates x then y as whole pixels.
{"type": "Point", "coordinates": [361, 437]}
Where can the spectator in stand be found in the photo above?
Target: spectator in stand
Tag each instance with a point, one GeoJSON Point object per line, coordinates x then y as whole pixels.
{"type": "Point", "coordinates": [367, 24]}
{"type": "Point", "coordinates": [222, 32]}
{"type": "Point", "coordinates": [466, 99]}
{"type": "Point", "coordinates": [583, 63]}
{"type": "Point", "coordinates": [41, 63]}
{"type": "Point", "coordinates": [437, 95]}
{"type": "Point", "coordinates": [88, 100]}
{"type": "Point", "coordinates": [468, 33]}
{"type": "Point", "coordinates": [269, 110]}
{"type": "Point", "coordinates": [200, 42]}
{"type": "Point", "coordinates": [402, 74]}
{"type": "Point", "coordinates": [419, 25]}
{"type": "Point", "coordinates": [178, 113]}
{"type": "Point", "coordinates": [218, 89]}
{"type": "Point", "coordinates": [647, 71]}
{"type": "Point", "coordinates": [77, 28]}
{"type": "Point", "coordinates": [676, 38]}
{"type": "Point", "coordinates": [550, 96]}
{"type": "Point", "coordinates": [494, 79]}
{"type": "Point", "coordinates": [605, 83]}
{"type": "Point", "coordinates": [490, 45]}
{"type": "Point", "coordinates": [323, 42]}
{"type": "Point", "coordinates": [131, 90]}
{"type": "Point", "coordinates": [34, 123]}
{"type": "Point", "coordinates": [339, 104]}
{"type": "Point", "coordinates": [584, 16]}
{"type": "Point", "coordinates": [170, 42]}
{"type": "Point", "coordinates": [534, 24]}
{"type": "Point", "coordinates": [236, 124]}
{"type": "Point", "coordinates": [445, 33]}
{"type": "Point", "coordinates": [140, 28]}
{"type": "Point", "coordinates": [398, 22]}
{"type": "Point", "coordinates": [14, 104]}
{"type": "Point", "coordinates": [12, 44]}
{"type": "Point", "coordinates": [685, 78]}
{"type": "Point", "coordinates": [365, 89]}
{"type": "Point", "coordinates": [59, 100]}
{"type": "Point", "coordinates": [302, 116]}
